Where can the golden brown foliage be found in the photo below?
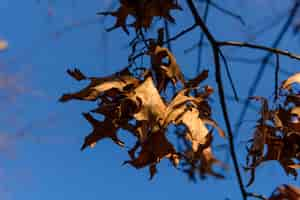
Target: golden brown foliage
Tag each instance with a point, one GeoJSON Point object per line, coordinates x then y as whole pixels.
{"type": "Point", "coordinates": [134, 103]}
{"type": "Point", "coordinates": [276, 136]}
{"type": "Point", "coordinates": [143, 12]}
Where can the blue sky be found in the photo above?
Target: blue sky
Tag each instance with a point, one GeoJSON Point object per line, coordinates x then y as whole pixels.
{"type": "Point", "coordinates": [40, 138]}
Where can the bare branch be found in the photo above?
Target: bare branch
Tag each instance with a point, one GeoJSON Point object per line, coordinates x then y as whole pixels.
{"type": "Point", "coordinates": [271, 50]}
{"type": "Point", "coordinates": [181, 33]}
{"type": "Point", "coordinates": [226, 12]}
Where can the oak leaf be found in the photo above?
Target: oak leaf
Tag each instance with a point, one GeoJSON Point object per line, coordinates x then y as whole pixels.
{"type": "Point", "coordinates": [101, 130]}
{"type": "Point", "coordinates": [111, 84]}
{"type": "Point", "coordinates": [143, 12]}
{"type": "Point", "coordinates": [154, 149]}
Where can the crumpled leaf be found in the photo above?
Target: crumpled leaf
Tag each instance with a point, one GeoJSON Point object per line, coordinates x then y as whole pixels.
{"type": "Point", "coordinates": [203, 160]}
{"type": "Point", "coordinates": [276, 136]}
{"type": "Point", "coordinates": [152, 107]}
{"type": "Point", "coordinates": [179, 112]}
{"type": "Point", "coordinates": [196, 129]}
{"type": "Point", "coordinates": [121, 14]}
{"type": "Point", "coordinates": [143, 13]}
{"type": "Point", "coordinates": [101, 130]}
{"type": "Point", "coordinates": [113, 84]}
{"type": "Point", "coordinates": [136, 105]}
{"type": "Point", "coordinates": [164, 71]}
{"type": "Point", "coordinates": [154, 149]}
{"type": "Point", "coordinates": [178, 106]}
{"type": "Point", "coordinates": [208, 160]}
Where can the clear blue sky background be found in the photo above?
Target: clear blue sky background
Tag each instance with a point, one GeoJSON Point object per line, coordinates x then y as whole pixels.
{"type": "Point", "coordinates": [40, 138]}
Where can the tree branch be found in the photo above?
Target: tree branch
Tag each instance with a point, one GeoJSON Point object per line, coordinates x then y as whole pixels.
{"type": "Point", "coordinates": [218, 77]}
{"type": "Point", "coordinates": [266, 59]}
{"type": "Point", "coordinates": [181, 33]}
{"type": "Point", "coordinates": [271, 50]}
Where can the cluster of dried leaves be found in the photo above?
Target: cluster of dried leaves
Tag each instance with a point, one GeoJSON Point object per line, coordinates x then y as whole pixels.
{"type": "Point", "coordinates": [134, 103]}
{"type": "Point", "coordinates": [277, 133]}
{"type": "Point", "coordinates": [143, 12]}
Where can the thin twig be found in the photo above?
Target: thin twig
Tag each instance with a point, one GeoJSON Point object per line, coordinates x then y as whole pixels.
{"type": "Point", "coordinates": [270, 50]}
{"type": "Point", "coordinates": [167, 34]}
{"type": "Point", "coordinates": [276, 77]}
{"type": "Point", "coordinates": [226, 12]}
{"type": "Point", "coordinates": [167, 30]}
{"type": "Point", "coordinates": [181, 33]}
{"type": "Point", "coordinates": [178, 35]}
{"type": "Point", "coordinates": [205, 15]}
{"type": "Point", "coordinates": [258, 196]}
{"type": "Point", "coordinates": [229, 76]}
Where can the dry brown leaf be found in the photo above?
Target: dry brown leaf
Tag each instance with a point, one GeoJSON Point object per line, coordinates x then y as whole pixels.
{"type": "Point", "coordinates": [179, 112]}
{"type": "Point", "coordinates": [214, 124]}
{"type": "Point", "coordinates": [203, 160]}
{"type": "Point", "coordinates": [196, 129]}
{"type": "Point", "coordinates": [110, 110]}
{"type": "Point", "coordinates": [208, 160]}
{"type": "Point", "coordinates": [76, 74]}
{"type": "Point", "coordinates": [101, 130]}
{"type": "Point", "coordinates": [177, 106]}
{"type": "Point", "coordinates": [165, 71]}
{"type": "Point", "coordinates": [152, 106]}
{"type": "Point", "coordinates": [111, 84]}
{"type": "Point", "coordinates": [155, 148]}
{"type": "Point", "coordinates": [291, 80]}
{"type": "Point", "coordinates": [121, 14]}
{"type": "Point", "coordinates": [137, 106]}
{"type": "Point", "coordinates": [259, 141]}
{"type": "Point", "coordinates": [295, 111]}
{"type": "Point", "coordinates": [143, 13]}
